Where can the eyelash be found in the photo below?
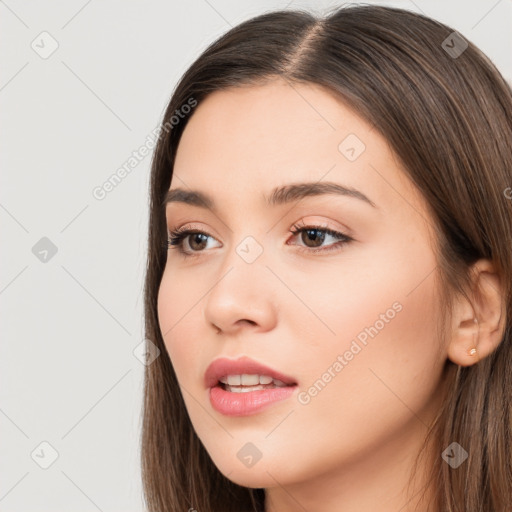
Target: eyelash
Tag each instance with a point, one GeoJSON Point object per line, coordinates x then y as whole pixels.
{"type": "Point", "coordinates": [177, 236]}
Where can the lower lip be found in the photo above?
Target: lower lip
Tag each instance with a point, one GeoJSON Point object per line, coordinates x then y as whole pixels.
{"type": "Point", "coordinates": [250, 402]}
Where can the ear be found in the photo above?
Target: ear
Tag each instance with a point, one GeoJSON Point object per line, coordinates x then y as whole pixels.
{"type": "Point", "coordinates": [478, 324]}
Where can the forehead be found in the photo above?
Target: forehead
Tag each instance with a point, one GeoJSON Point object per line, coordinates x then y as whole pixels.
{"type": "Point", "coordinates": [246, 141]}
{"type": "Point", "coordinates": [275, 121]}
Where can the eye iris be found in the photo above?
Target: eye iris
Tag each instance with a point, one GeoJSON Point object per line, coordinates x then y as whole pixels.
{"type": "Point", "coordinates": [314, 235]}
{"type": "Point", "coordinates": [201, 238]}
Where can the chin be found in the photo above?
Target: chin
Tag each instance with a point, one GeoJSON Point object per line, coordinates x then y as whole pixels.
{"type": "Point", "coordinates": [250, 477]}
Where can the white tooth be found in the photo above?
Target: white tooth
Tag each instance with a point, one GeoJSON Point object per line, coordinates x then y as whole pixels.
{"type": "Point", "coordinates": [265, 379]}
{"type": "Point", "coordinates": [279, 383]}
{"type": "Point", "coordinates": [249, 380]}
{"type": "Point", "coordinates": [224, 380]}
{"type": "Point", "coordinates": [241, 389]}
{"type": "Point", "coordinates": [234, 380]}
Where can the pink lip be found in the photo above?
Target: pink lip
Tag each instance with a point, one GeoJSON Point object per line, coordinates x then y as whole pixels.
{"type": "Point", "coordinates": [244, 404]}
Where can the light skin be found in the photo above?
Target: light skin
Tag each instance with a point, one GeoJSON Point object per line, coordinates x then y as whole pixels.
{"type": "Point", "coordinates": [352, 445]}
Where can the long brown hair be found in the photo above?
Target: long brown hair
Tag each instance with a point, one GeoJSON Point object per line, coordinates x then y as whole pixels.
{"type": "Point", "coordinates": [447, 114]}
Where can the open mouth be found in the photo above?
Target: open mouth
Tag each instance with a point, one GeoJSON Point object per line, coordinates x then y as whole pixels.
{"type": "Point", "coordinates": [247, 383]}
{"type": "Point", "coordinates": [243, 387]}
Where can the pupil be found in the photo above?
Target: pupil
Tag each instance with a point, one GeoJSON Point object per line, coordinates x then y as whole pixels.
{"type": "Point", "coordinates": [197, 237]}
{"type": "Point", "coordinates": [314, 236]}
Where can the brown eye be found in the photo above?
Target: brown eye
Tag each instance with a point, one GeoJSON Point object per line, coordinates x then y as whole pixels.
{"type": "Point", "coordinates": [197, 241]}
{"type": "Point", "coordinates": [312, 238]}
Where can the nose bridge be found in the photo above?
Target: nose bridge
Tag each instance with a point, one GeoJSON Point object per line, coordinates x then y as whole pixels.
{"type": "Point", "coordinates": [241, 290]}
{"type": "Point", "coordinates": [243, 271]}
{"type": "Point", "coordinates": [248, 247]}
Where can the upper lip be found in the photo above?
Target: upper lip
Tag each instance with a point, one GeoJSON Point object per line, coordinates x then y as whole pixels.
{"type": "Point", "coordinates": [244, 365]}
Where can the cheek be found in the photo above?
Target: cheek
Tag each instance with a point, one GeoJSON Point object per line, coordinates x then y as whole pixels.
{"type": "Point", "coordinates": [177, 316]}
{"type": "Point", "coordinates": [385, 353]}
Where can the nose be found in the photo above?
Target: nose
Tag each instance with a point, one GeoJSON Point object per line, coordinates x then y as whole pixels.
{"type": "Point", "coordinates": [242, 297]}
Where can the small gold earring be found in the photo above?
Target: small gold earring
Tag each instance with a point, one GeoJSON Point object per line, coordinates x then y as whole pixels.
{"type": "Point", "coordinates": [472, 352]}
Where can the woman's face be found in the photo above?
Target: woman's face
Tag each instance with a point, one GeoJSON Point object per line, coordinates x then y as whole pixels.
{"type": "Point", "coordinates": [351, 323]}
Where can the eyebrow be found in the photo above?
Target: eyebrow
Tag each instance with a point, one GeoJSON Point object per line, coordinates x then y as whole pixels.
{"type": "Point", "coordinates": [280, 195]}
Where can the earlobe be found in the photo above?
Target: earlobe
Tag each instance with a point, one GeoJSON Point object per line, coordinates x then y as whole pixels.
{"type": "Point", "coordinates": [463, 347]}
{"type": "Point", "coordinates": [479, 325]}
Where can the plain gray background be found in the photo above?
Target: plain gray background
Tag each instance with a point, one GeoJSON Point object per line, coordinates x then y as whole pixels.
{"type": "Point", "coordinates": [72, 272]}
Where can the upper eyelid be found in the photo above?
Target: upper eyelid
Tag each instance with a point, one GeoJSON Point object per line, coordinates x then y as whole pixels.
{"type": "Point", "coordinates": [318, 224]}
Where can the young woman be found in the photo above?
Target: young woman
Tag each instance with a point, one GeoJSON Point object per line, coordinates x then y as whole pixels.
{"type": "Point", "coordinates": [329, 272]}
